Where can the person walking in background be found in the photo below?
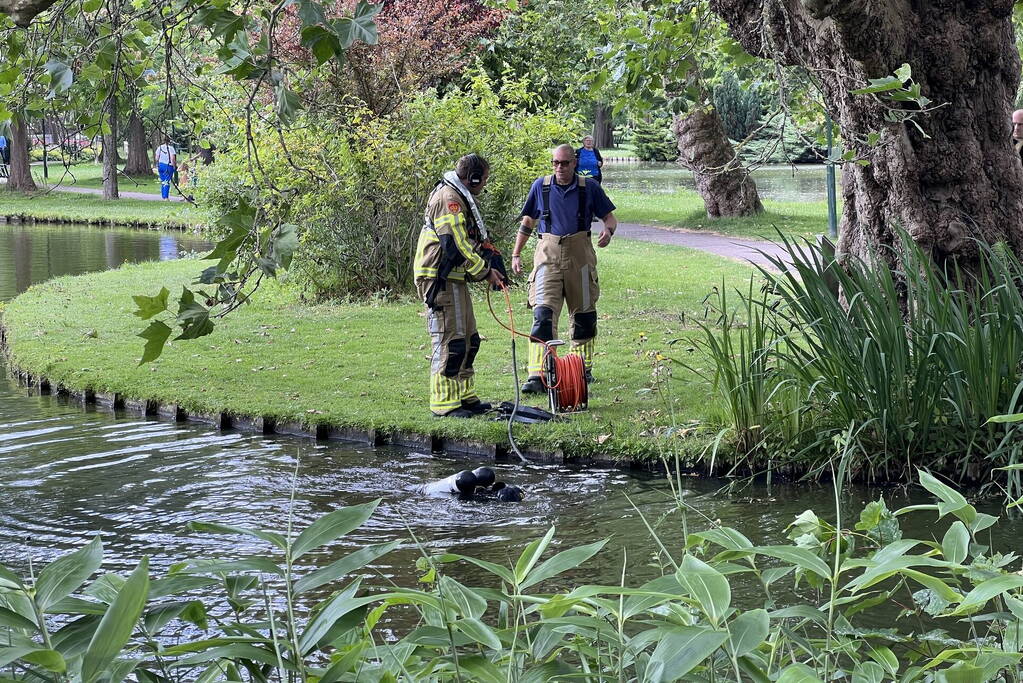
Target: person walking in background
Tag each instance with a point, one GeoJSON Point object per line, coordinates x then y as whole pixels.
{"type": "Point", "coordinates": [590, 161]}
{"type": "Point", "coordinates": [5, 150]}
{"type": "Point", "coordinates": [166, 161]}
{"type": "Point", "coordinates": [564, 264]}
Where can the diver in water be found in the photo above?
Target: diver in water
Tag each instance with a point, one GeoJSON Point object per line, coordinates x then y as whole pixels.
{"type": "Point", "coordinates": [481, 481]}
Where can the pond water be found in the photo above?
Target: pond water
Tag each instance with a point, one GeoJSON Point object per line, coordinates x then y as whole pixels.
{"type": "Point", "coordinates": [802, 183]}
{"type": "Point", "coordinates": [68, 473]}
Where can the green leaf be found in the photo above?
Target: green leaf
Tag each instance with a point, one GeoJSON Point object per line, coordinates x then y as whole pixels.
{"type": "Point", "coordinates": [51, 660]}
{"type": "Point", "coordinates": [334, 609]}
{"type": "Point", "coordinates": [469, 604]}
{"type": "Point", "coordinates": [151, 305]}
{"type": "Point", "coordinates": [562, 562]}
{"type": "Point", "coordinates": [288, 104]}
{"type": "Point", "coordinates": [999, 419]}
{"type": "Point", "coordinates": [480, 632]}
{"type": "Point", "coordinates": [346, 565]}
{"type": "Point", "coordinates": [12, 619]}
{"type": "Point", "coordinates": [332, 526]}
{"type": "Point", "coordinates": [64, 575]}
{"type": "Point", "coordinates": [800, 557]}
{"type": "Point", "coordinates": [708, 586]}
{"type": "Point", "coordinates": [879, 85]}
{"type": "Point", "coordinates": [726, 537]}
{"type": "Point", "coordinates": [934, 583]}
{"type": "Point", "coordinates": [61, 77]}
{"type": "Point", "coordinates": [192, 611]}
{"type": "Point", "coordinates": [868, 672]}
{"type": "Point", "coordinates": [748, 631]}
{"type": "Point", "coordinates": [284, 245]}
{"type": "Point", "coordinates": [530, 555]}
{"type": "Point", "coordinates": [961, 672]}
{"type": "Point", "coordinates": [9, 579]}
{"type": "Point", "coordinates": [268, 536]}
{"type": "Point", "coordinates": [176, 584]}
{"type": "Point", "coordinates": [117, 624]}
{"type": "Point", "coordinates": [951, 500]}
{"type": "Point", "coordinates": [156, 336]}
{"type": "Point", "coordinates": [323, 43]}
{"type": "Point", "coordinates": [257, 564]}
{"type": "Point", "coordinates": [956, 543]}
{"type": "Point", "coordinates": [503, 573]}
{"type": "Point", "coordinates": [311, 13]}
{"type": "Point", "coordinates": [360, 26]}
{"type": "Point", "coordinates": [985, 591]}
{"type": "Point", "coordinates": [798, 673]}
{"type": "Point", "coordinates": [680, 649]}
{"type": "Point", "coordinates": [904, 72]}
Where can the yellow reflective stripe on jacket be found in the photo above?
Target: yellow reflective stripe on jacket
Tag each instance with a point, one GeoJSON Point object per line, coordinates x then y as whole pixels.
{"type": "Point", "coordinates": [455, 224]}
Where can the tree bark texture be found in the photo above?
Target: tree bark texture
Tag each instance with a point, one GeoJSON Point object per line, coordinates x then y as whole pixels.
{"type": "Point", "coordinates": [138, 148]}
{"type": "Point", "coordinates": [23, 11]}
{"type": "Point", "coordinates": [603, 129]}
{"type": "Point", "coordinates": [724, 184]}
{"type": "Point", "coordinates": [963, 180]}
{"type": "Point", "coordinates": [20, 170]}
{"type": "Point", "coordinates": [110, 152]}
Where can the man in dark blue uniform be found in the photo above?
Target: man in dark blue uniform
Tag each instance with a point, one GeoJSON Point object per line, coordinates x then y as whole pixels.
{"type": "Point", "coordinates": [564, 264]}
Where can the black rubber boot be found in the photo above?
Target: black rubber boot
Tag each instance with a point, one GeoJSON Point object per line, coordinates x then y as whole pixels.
{"type": "Point", "coordinates": [458, 412]}
{"type": "Point", "coordinates": [477, 407]}
{"type": "Point", "coordinates": [534, 385]}
{"type": "Point", "coordinates": [588, 376]}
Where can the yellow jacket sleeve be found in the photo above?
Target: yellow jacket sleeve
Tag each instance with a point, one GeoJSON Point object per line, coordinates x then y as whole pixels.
{"type": "Point", "coordinates": [451, 221]}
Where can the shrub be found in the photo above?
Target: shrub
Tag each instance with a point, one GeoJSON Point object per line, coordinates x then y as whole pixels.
{"type": "Point", "coordinates": [740, 108]}
{"type": "Point", "coordinates": [654, 141]}
{"type": "Point", "coordinates": [357, 189]}
{"type": "Point", "coordinates": [776, 144]}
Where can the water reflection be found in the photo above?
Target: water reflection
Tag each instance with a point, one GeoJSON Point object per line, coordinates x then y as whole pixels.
{"type": "Point", "coordinates": [803, 183]}
{"type": "Point", "coordinates": [35, 252]}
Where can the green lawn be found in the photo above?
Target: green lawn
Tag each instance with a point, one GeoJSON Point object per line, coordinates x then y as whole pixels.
{"type": "Point", "coordinates": [367, 364]}
{"type": "Point", "coordinates": [83, 208]}
{"type": "Point", "coordinates": [685, 210]}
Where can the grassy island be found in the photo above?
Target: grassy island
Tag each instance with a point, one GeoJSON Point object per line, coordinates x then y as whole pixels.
{"type": "Point", "coordinates": [365, 365]}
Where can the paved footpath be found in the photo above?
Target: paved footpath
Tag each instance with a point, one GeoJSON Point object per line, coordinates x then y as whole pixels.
{"type": "Point", "coordinates": [735, 248]}
{"type": "Point", "coordinates": [120, 193]}
{"type": "Point", "coordinates": [711, 242]}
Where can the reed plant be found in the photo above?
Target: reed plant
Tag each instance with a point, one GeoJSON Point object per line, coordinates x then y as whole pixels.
{"type": "Point", "coordinates": [917, 357]}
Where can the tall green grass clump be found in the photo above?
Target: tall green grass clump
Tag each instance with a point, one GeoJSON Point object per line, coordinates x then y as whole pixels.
{"type": "Point", "coordinates": [841, 600]}
{"type": "Point", "coordinates": [916, 358]}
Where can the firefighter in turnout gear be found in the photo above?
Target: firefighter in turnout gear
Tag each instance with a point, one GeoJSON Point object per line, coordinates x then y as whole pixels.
{"type": "Point", "coordinates": [564, 264]}
{"type": "Point", "coordinates": [453, 250]}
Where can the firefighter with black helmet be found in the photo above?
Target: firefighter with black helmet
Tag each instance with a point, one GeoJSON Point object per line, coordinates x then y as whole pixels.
{"type": "Point", "coordinates": [453, 250]}
{"type": "Point", "coordinates": [564, 264]}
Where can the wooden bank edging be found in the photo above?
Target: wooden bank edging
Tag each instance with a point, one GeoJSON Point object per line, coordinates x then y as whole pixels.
{"type": "Point", "coordinates": [39, 385]}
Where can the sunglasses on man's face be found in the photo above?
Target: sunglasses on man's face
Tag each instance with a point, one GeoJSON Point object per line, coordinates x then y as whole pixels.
{"type": "Point", "coordinates": [562, 162]}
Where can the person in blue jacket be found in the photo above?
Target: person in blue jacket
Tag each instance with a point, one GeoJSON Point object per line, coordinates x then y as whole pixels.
{"type": "Point", "coordinates": [590, 161]}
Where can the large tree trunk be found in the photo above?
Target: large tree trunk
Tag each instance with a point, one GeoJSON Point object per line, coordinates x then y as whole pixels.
{"type": "Point", "coordinates": [20, 171]}
{"type": "Point", "coordinates": [110, 152]}
{"type": "Point", "coordinates": [603, 130]}
{"type": "Point", "coordinates": [722, 181]}
{"type": "Point", "coordinates": [23, 11]}
{"type": "Point", "coordinates": [138, 148]}
{"type": "Point", "coordinates": [959, 182]}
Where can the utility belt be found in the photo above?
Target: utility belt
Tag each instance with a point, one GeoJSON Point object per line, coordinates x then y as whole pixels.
{"type": "Point", "coordinates": [560, 238]}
